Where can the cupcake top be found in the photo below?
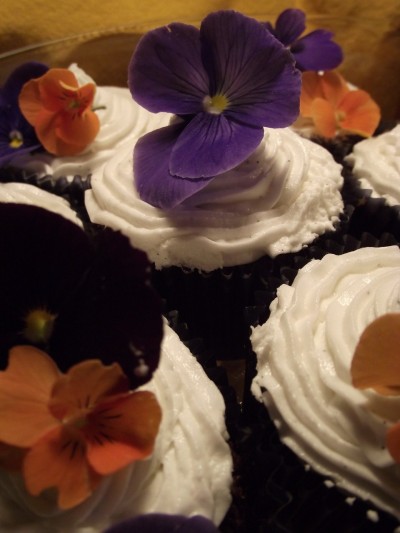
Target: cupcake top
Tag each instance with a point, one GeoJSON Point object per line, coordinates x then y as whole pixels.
{"type": "Point", "coordinates": [218, 186]}
{"type": "Point", "coordinates": [376, 163]}
{"type": "Point", "coordinates": [304, 377]}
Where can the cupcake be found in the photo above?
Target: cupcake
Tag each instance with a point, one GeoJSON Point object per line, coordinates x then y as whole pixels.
{"type": "Point", "coordinates": [304, 376]}
{"type": "Point", "coordinates": [105, 425]}
{"type": "Point", "coordinates": [226, 183]}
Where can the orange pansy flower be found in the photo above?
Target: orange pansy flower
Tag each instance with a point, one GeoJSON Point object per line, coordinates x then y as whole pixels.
{"type": "Point", "coordinates": [376, 365]}
{"type": "Point", "coordinates": [60, 111]}
{"type": "Point", "coordinates": [74, 428]}
{"type": "Point", "coordinates": [327, 100]}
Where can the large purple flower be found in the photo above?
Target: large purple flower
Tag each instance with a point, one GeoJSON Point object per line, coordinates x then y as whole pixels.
{"type": "Point", "coordinates": [74, 296]}
{"type": "Point", "coordinates": [314, 51]}
{"type": "Point", "coordinates": [16, 134]}
{"type": "Point", "coordinates": [225, 82]}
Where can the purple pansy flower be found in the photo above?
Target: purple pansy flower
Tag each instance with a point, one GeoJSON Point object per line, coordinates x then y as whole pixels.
{"type": "Point", "coordinates": [225, 82]}
{"type": "Point", "coordinates": [314, 51]}
{"type": "Point", "coordinates": [16, 134]}
{"type": "Point", "coordinates": [163, 523]}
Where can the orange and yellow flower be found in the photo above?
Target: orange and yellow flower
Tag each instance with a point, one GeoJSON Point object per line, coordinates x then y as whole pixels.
{"type": "Point", "coordinates": [60, 111]}
{"type": "Point", "coordinates": [333, 107]}
{"type": "Point", "coordinates": [376, 365]}
{"type": "Point", "coordinates": [73, 428]}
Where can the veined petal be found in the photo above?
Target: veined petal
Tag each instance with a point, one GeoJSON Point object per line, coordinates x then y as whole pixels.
{"type": "Point", "coordinates": [317, 51]}
{"type": "Point", "coordinates": [289, 25]}
{"type": "Point", "coordinates": [393, 441]}
{"type": "Point", "coordinates": [323, 115]}
{"type": "Point", "coordinates": [166, 72]}
{"type": "Point", "coordinates": [59, 461]}
{"type": "Point", "coordinates": [212, 144]}
{"type": "Point", "coordinates": [86, 384]}
{"type": "Point", "coordinates": [255, 73]}
{"type": "Point", "coordinates": [376, 361]}
{"type": "Point", "coordinates": [122, 431]}
{"type": "Point", "coordinates": [25, 389]}
{"type": "Point", "coordinates": [362, 114]}
{"type": "Point", "coordinates": [153, 180]}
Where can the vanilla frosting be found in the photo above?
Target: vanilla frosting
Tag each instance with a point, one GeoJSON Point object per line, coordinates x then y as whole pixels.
{"type": "Point", "coordinates": [376, 163]}
{"type": "Point", "coordinates": [304, 353]}
{"type": "Point", "coordinates": [24, 193]}
{"type": "Point", "coordinates": [189, 472]}
{"type": "Point", "coordinates": [278, 200]}
{"type": "Point", "coordinates": [122, 120]}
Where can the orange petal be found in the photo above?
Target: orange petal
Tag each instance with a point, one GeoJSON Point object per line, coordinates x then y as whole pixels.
{"type": "Point", "coordinates": [362, 114]}
{"type": "Point", "coordinates": [310, 89]}
{"type": "Point", "coordinates": [84, 385]}
{"type": "Point", "coordinates": [78, 131]}
{"type": "Point", "coordinates": [393, 441]}
{"type": "Point", "coordinates": [52, 88]}
{"type": "Point", "coordinates": [376, 361]}
{"type": "Point", "coordinates": [59, 461]}
{"type": "Point", "coordinates": [333, 87]}
{"type": "Point", "coordinates": [25, 388]}
{"type": "Point", "coordinates": [122, 431]}
{"type": "Point", "coordinates": [323, 115]}
{"type": "Point", "coordinates": [29, 101]}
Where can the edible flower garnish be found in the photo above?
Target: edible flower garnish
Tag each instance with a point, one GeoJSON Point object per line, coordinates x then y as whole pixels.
{"type": "Point", "coordinates": [333, 107]}
{"type": "Point", "coordinates": [60, 111]}
{"type": "Point", "coordinates": [314, 51]}
{"type": "Point", "coordinates": [376, 365]}
{"type": "Point", "coordinates": [17, 136]}
{"type": "Point", "coordinates": [73, 428]}
{"type": "Point", "coordinates": [225, 82]}
{"type": "Point", "coordinates": [76, 296]}
{"type": "Point", "coordinates": [163, 523]}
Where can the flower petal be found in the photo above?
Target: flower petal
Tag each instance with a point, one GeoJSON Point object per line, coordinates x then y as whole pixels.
{"type": "Point", "coordinates": [25, 389]}
{"type": "Point", "coordinates": [255, 73]}
{"type": "Point", "coordinates": [362, 114]}
{"type": "Point", "coordinates": [289, 25]}
{"type": "Point", "coordinates": [393, 441]}
{"type": "Point", "coordinates": [310, 90]}
{"type": "Point", "coordinates": [163, 523]}
{"type": "Point", "coordinates": [59, 461]}
{"type": "Point", "coordinates": [122, 431]}
{"type": "Point", "coordinates": [212, 144]}
{"type": "Point", "coordinates": [153, 180]}
{"type": "Point", "coordinates": [323, 115]}
{"type": "Point", "coordinates": [10, 91]}
{"type": "Point", "coordinates": [317, 51]}
{"type": "Point", "coordinates": [166, 72]}
{"type": "Point", "coordinates": [376, 361]}
{"type": "Point", "coordinates": [113, 314]}
{"type": "Point", "coordinates": [333, 86]}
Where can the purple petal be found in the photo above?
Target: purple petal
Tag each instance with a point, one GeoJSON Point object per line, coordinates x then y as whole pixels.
{"type": "Point", "coordinates": [151, 161]}
{"type": "Point", "coordinates": [290, 25]}
{"type": "Point", "coordinates": [211, 144]}
{"type": "Point", "coordinates": [163, 523]}
{"type": "Point", "coordinates": [252, 69]}
{"type": "Point", "coordinates": [317, 51]}
{"type": "Point", "coordinates": [166, 72]}
{"type": "Point", "coordinates": [12, 87]}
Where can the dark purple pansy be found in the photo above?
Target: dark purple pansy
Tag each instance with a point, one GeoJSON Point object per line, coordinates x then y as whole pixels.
{"type": "Point", "coordinates": [16, 134]}
{"type": "Point", "coordinates": [163, 523]}
{"type": "Point", "coordinates": [75, 296]}
{"type": "Point", "coordinates": [225, 82]}
{"type": "Point", "coordinates": [314, 51]}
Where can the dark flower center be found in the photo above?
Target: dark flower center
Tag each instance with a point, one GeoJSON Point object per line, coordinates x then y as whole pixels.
{"type": "Point", "coordinates": [16, 139]}
{"type": "Point", "coordinates": [215, 104]}
{"type": "Point", "coordinates": [39, 325]}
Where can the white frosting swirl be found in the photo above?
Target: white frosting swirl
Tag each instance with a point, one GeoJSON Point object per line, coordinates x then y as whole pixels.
{"type": "Point", "coordinates": [304, 354]}
{"type": "Point", "coordinates": [122, 121]}
{"type": "Point", "coordinates": [189, 472]}
{"type": "Point", "coordinates": [278, 200]}
{"type": "Point", "coordinates": [24, 193]}
{"type": "Point", "coordinates": [376, 163]}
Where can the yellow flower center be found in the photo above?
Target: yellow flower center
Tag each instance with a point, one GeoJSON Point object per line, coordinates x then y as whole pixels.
{"type": "Point", "coordinates": [39, 325]}
{"type": "Point", "coordinates": [16, 139]}
{"type": "Point", "coordinates": [215, 104]}
{"type": "Point", "coordinates": [340, 116]}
